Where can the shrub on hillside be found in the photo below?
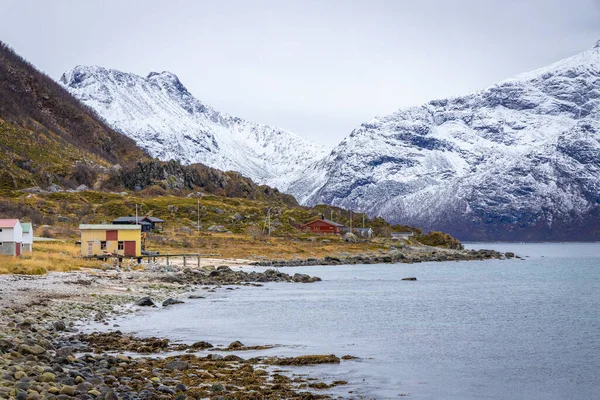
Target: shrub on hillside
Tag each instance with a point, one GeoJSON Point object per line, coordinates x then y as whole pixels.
{"type": "Point", "coordinates": [440, 239]}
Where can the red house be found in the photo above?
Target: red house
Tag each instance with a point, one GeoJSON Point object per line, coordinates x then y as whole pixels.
{"type": "Point", "coordinates": [323, 225]}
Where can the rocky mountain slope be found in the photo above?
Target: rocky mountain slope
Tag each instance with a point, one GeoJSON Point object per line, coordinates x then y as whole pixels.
{"type": "Point", "coordinates": [517, 161]}
{"type": "Point", "coordinates": [163, 117]}
{"type": "Point", "coordinates": [51, 141]}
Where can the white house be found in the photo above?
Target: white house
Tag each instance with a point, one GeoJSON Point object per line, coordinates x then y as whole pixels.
{"type": "Point", "coordinates": [11, 237]}
{"type": "Point", "coordinates": [27, 237]}
{"type": "Point", "coordinates": [402, 235]}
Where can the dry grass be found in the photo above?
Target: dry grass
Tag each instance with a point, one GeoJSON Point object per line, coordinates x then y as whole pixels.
{"type": "Point", "coordinates": [46, 257]}
{"type": "Point", "coordinates": [275, 247]}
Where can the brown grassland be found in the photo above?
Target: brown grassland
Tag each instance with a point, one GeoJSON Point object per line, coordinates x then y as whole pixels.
{"type": "Point", "coordinates": [46, 257]}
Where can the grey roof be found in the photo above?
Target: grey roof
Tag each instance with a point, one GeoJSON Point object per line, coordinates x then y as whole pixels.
{"type": "Point", "coordinates": [327, 221]}
{"type": "Point", "coordinates": [363, 229]}
{"type": "Point", "coordinates": [154, 219]}
{"type": "Point", "coordinates": [109, 227]}
{"type": "Point", "coordinates": [403, 233]}
{"type": "Point", "coordinates": [139, 219]}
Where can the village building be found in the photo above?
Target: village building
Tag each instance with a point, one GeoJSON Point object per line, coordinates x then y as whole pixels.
{"type": "Point", "coordinates": [402, 235]}
{"type": "Point", "coordinates": [148, 224]}
{"type": "Point", "coordinates": [27, 237]}
{"type": "Point", "coordinates": [11, 237]}
{"type": "Point", "coordinates": [323, 225]}
{"type": "Point", "coordinates": [106, 239]}
{"type": "Point", "coordinates": [364, 232]}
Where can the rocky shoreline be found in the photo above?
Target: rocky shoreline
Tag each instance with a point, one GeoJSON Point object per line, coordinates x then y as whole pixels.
{"type": "Point", "coordinates": [43, 355]}
{"type": "Point", "coordinates": [401, 254]}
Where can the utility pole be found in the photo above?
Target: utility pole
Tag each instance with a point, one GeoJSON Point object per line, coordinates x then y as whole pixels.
{"type": "Point", "coordinates": [350, 221]}
{"type": "Point", "coordinates": [331, 214]}
{"type": "Point", "coordinates": [269, 220]}
{"type": "Point", "coordinates": [363, 220]}
{"type": "Point", "coordinates": [136, 215]}
{"type": "Point", "coordinates": [198, 212]}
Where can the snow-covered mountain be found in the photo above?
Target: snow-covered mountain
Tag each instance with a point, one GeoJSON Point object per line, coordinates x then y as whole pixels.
{"type": "Point", "coordinates": [166, 120]}
{"type": "Point", "coordinates": [519, 160]}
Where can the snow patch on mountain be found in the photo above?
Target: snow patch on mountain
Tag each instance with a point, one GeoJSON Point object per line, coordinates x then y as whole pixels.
{"type": "Point", "coordinates": [519, 160]}
{"type": "Point", "coordinates": [166, 120]}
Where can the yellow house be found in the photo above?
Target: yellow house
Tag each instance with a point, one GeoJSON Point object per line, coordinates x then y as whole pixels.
{"type": "Point", "coordinates": [101, 239]}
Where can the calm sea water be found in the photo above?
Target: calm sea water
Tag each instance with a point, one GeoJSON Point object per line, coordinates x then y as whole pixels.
{"type": "Point", "coordinates": [513, 329]}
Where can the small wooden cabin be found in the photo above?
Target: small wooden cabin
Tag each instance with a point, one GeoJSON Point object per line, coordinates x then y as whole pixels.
{"type": "Point", "coordinates": [104, 239]}
{"type": "Point", "coordinates": [148, 223]}
{"type": "Point", "coordinates": [11, 237]}
{"type": "Point", "coordinates": [323, 225]}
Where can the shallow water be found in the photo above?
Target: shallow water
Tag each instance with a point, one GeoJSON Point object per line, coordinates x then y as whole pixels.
{"type": "Point", "coordinates": [511, 329]}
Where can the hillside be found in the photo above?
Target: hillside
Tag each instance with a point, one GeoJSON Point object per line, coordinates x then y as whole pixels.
{"type": "Point", "coordinates": [50, 140]}
{"type": "Point", "coordinates": [519, 160]}
{"type": "Point", "coordinates": [166, 120]}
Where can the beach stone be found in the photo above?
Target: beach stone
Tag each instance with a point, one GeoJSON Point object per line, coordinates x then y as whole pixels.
{"type": "Point", "coordinates": [53, 390]}
{"type": "Point", "coordinates": [94, 392]}
{"type": "Point", "coordinates": [65, 351]}
{"type": "Point", "coordinates": [145, 302]}
{"type": "Point", "coordinates": [236, 345]}
{"type": "Point", "coordinates": [122, 358]}
{"type": "Point", "coordinates": [59, 326]}
{"type": "Point", "coordinates": [110, 395]}
{"type": "Point", "coordinates": [177, 365]}
{"type": "Point", "coordinates": [165, 389]}
{"type": "Point", "coordinates": [35, 349]}
{"type": "Point", "coordinates": [171, 301]}
{"type": "Point", "coordinates": [180, 387]}
{"type": "Point", "coordinates": [47, 377]}
{"type": "Point", "coordinates": [217, 387]}
{"type": "Point", "coordinates": [201, 345]}
{"type": "Point", "coordinates": [19, 375]}
{"type": "Point", "coordinates": [68, 390]}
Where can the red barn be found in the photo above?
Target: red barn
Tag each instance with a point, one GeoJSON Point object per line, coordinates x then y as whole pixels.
{"type": "Point", "coordinates": [323, 225]}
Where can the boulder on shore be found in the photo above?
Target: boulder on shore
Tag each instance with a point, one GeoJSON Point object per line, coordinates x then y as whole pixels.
{"type": "Point", "coordinates": [145, 302]}
{"type": "Point", "coordinates": [170, 301]}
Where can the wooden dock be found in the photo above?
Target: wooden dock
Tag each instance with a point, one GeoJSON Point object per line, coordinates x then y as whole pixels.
{"type": "Point", "coordinates": [153, 257]}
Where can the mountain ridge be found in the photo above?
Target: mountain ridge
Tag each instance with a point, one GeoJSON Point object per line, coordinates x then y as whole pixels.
{"type": "Point", "coordinates": [170, 123]}
{"type": "Point", "coordinates": [519, 160]}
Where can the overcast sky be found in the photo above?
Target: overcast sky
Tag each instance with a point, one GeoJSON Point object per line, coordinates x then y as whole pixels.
{"type": "Point", "coordinates": [317, 68]}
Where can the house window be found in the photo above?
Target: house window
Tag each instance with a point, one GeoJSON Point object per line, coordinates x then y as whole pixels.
{"type": "Point", "coordinates": [121, 246]}
{"type": "Point", "coordinates": [103, 245]}
{"type": "Point", "coordinates": [0, 229]}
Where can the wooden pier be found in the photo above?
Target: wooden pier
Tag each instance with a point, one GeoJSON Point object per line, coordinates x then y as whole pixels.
{"type": "Point", "coordinates": [153, 257]}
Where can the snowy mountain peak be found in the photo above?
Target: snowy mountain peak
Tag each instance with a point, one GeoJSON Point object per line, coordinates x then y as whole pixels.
{"type": "Point", "coordinates": [170, 123]}
{"type": "Point", "coordinates": [519, 160]}
{"type": "Point", "coordinates": [597, 46]}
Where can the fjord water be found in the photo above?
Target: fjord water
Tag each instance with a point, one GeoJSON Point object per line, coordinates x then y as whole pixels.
{"type": "Point", "coordinates": [510, 329]}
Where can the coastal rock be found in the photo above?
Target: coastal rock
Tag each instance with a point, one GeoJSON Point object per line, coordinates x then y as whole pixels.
{"type": "Point", "coordinates": [350, 238]}
{"type": "Point", "coordinates": [171, 301]}
{"type": "Point", "coordinates": [145, 302]}
{"type": "Point", "coordinates": [412, 278]}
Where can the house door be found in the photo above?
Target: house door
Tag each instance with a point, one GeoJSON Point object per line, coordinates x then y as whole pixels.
{"type": "Point", "coordinates": [90, 248]}
{"type": "Point", "coordinates": [18, 249]}
{"type": "Point", "coordinates": [130, 248]}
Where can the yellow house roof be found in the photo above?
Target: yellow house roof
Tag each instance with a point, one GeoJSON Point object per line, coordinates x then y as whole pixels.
{"type": "Point", "coordinates": [109, 227]}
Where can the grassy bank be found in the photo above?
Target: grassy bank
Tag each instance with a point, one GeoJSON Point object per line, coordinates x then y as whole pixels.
{"type": "Point", "coordinates": [46, 257]}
